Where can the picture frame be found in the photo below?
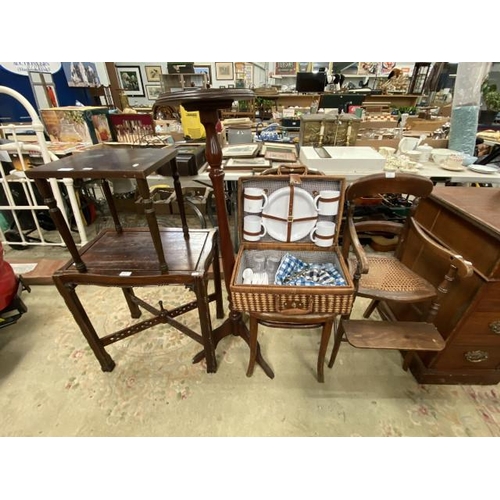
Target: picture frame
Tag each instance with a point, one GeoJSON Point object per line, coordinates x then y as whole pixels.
{"type": "Point", "coordinates": [224, 71]}
{"type": "Point", "coordinates": [153, 73]}
{"type": "Point", "coordinates": [247, 163]}
{"type": "Point", "coordinates": [153, 92]}
{"type": "Point", "coordinates": [285, 156]}
{"type": "Point", "coordinates": [180, 67]}
{"type": "Point", "coordinates": [44, 89]}
{"type": "Point", "coordinates": [81, 74]}
{"type": "Point", "coordinates": [368, 68]}
{"type": "Point", "coordinates": [277, 147]}
{"type": "Point", "coordinates": [240, 150]}
{"type": "Point", "coordinates": [130, 80]}
{"type": "Point", "coordinates": [199, 69]}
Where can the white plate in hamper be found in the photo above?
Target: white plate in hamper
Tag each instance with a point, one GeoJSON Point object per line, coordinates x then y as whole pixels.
{"type": "Point", "coordinates": [278, 205]}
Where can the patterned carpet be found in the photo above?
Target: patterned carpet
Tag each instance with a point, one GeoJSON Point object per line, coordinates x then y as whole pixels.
{"type": "Point", "coordinates": [52, 385]}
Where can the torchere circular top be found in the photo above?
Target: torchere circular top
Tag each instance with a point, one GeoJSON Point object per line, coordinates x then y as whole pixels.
{"type": "Point", "coordinates": [193, 99]}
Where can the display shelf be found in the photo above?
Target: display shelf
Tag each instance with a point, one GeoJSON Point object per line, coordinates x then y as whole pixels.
{"type": "Point", "coordinates": [181, 81]}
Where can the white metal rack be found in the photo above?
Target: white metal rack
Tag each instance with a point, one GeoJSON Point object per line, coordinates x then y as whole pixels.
{"type": "Point", "coordinates": [18, 179]}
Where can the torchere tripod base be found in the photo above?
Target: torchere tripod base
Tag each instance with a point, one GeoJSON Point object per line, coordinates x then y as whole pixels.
{"type": "Point", "coordinates": [235, 325]}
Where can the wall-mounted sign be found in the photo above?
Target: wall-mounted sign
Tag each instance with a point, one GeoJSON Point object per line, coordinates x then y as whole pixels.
{"type": "Point", "coordinates": [286, 68]}
{"type": "Point", "coordinates": [22, 68]}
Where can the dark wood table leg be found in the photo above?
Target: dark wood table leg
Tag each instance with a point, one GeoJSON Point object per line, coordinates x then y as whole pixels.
{"type": "Point", "coordinates": [58, 218]}
{"type": "Point", "coordinates": [339, 333]}
{"type": "Point", "coordinates": [219, 304]}
{"type": "Point", "coordinates": [254, 329]}
{"type": "Point", "coordinates": [67, 291]}
{"type": "Point", "coordinates": [180, 198]}
{"type": "Point", "coordinates": [134, 309]}
{"type": "Point", "coordinates": [325, 338]}
{"type": "Point", "coordinates": [205, 324]}
{"type": "Point", "coordinates": [149, 211]}
{"type": "Point", "coordinates": [111, 204]}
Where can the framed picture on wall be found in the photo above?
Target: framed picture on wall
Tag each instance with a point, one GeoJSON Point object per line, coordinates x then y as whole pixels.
{"type": "Point", "coordinates": [153, 73]}
{"type": "Point", "coordinates": [130, 80]}
{"type": "Point", "coordinates": [180, 67]}
{"type": "Point", "coordinates": [286, 68]}
{"type": "Point", "coordinates": [204, 69]}
{"type": "Point", "coordinates": [224, 71]}
{"type": "Point", "coordinates": [368, 68]}
{"type": "Point", "coordinates": [153, 92]}
{"type": "Point", "coordinates": [81, 74]}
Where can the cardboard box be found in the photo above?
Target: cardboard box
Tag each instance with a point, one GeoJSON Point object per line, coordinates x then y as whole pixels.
{"type": "Point", "coordinates": [84, 124]}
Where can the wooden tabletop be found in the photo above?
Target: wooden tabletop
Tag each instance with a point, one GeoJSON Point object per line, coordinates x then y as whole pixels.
{"type": "Point", "coordinates": [106, 162]}
{"type": "Point", "coordinates": [478, 204]}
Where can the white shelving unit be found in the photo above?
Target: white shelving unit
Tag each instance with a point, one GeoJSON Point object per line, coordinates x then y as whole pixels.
{"type": "Point", "coordinates": [22, 199]}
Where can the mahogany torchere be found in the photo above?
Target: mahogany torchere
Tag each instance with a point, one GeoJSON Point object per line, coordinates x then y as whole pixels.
{"type": "Point", "coordinates": [208, 102]}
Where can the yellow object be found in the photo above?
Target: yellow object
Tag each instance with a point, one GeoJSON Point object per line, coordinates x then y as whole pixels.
{"type": "Point", "coordinates": [191, 124]}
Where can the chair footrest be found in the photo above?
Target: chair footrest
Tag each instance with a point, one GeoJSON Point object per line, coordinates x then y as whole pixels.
{"type": "Point", "coordinates": [399, 335]}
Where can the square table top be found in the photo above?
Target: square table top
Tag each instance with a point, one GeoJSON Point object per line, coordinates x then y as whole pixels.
{"type": "Point", "coordinates": [106, 162]}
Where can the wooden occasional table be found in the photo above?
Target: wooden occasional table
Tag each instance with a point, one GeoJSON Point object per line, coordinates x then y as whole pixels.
{"type": "Point", "coordinates": [134, 257]}
{"type": "Point", "coordinates": [208, 102]}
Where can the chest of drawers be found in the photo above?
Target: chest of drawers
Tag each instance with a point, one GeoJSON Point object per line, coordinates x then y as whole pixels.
{"type": "Point", "coordinates": [466, 220]}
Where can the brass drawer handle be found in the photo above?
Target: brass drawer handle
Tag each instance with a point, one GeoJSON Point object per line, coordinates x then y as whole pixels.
{"type": "Point", "coordinates": [495, 327]}
{"type": "Point", "coordinates": [476, 356]}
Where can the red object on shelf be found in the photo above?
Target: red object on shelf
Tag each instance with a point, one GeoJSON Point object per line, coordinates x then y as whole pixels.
{"type": "Point", "coordinates": [8, 282]}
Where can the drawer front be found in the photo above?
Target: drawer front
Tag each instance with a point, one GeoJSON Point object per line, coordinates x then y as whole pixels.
{"type": "Point", "coordinates": [470, 357]}
{"type": "Point", "coordinates": [489, 298]}
{"type": "Point", "coordinates": [480, 328]}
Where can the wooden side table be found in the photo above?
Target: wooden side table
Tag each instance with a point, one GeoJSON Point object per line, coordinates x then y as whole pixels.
{"type": "Point", "coordinates": [208, 102]}
{"type": "Point", "coordinates": [134, 257]}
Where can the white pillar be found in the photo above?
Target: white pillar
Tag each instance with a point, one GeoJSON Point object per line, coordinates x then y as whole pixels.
{"type": "Point", "coordinates": [465, 105]}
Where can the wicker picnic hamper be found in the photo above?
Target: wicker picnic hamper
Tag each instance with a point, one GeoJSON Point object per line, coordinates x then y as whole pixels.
{"type": "Point", "coordinates": [290, 234]}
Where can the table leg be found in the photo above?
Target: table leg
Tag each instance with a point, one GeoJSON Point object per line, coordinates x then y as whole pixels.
{"type": "Point", "coordinates": [149, 211]}
{"type": "Point", "coordinates": [219, 306]}
{"type": "Point", "coordinates": [180, 198]}
{"type": "Point", "coordinates": [73, 303]}
{"type": "Point", "coordinates": [58, 218]}
{"type": "Point", "coordinates": [134, 309]}
{"type": "Point", "coordinates": [325, 338]}
{"type": "Point", "coordinates": [111, 204]}
{"type": "Point", "coordinates": [205, 324]}
{"type": "Point", "coordinates": [339, 333]}
{"type": "Point", "coordinates": [254, 327]}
